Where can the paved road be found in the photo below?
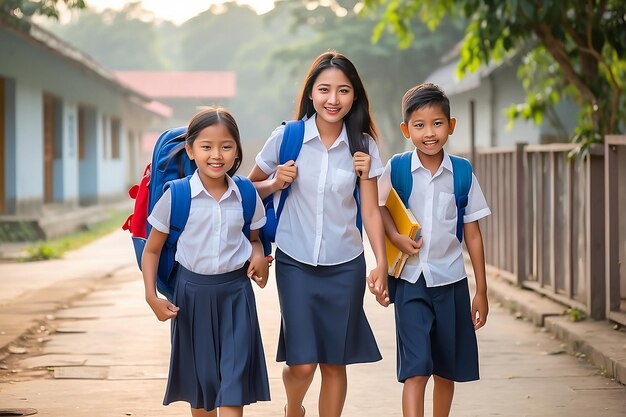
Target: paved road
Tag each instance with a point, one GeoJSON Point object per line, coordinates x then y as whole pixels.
{"type": "Point", "coordinates": [104, 354]}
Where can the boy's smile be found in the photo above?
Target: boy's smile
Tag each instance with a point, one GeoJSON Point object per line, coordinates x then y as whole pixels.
{"type": "Point", "coordinates": [428, 128]}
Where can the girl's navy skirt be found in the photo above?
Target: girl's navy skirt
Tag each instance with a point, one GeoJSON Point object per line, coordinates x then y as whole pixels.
{"type": "Point", "coordinates": [322, 313]}
{"type": "Point", "coordinates": [217, 355]}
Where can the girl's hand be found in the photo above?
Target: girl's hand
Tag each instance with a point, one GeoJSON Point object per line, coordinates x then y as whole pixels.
{"type": "Point", "coordinates": [407, 245]}
{"type": "Point", "coordinates": [362, 164]}
{"type": "Point", "coordinates": [258, 270]}
{"type": "Point", "coordinates": [377, 283]}
{"type": "Point", "coordinates": [285, 175]}
{"type": "Point", "coordinates": [162, 308]}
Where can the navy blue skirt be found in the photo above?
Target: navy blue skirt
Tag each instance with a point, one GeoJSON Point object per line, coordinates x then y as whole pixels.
{"type": "Point", "coordinates": [435, 333]}
{"type": "Point", "coordinates": [322, 317]}
{"type": "Point", "coordinates": [217, 354]}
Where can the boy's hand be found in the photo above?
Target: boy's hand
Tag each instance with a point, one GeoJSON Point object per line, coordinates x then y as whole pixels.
{"type": "Point", "coordinates": [258, 270]}
{"type": "Point", "coordinates": [162, 308]}
{"type": "Point", "coordinates": [362, 163]}
{"type": "Point", "coordinates": [407, 245]}
{"type": "Point", "coordinates": [480, 309]}
{"type": "Point", "coordinates": [285, 174]}
{"type": "Point", "coordinates": [377, 283]}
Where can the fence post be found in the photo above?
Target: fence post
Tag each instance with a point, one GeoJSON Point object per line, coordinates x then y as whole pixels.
{"type": "Point", "coordinates": [596, 295]}
{"type": "Point", "coordinates": [521, 274]}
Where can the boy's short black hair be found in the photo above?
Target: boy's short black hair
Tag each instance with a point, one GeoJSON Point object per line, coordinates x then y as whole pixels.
{"type": "Point", "coordinates": [423, 95]}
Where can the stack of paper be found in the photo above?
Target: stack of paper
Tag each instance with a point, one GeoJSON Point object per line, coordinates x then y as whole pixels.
{"type": "Point", "coordinates": [406, 224]}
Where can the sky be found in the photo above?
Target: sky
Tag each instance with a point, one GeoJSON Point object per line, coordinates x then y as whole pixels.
{"type": "Point", "coordinates": [179, 10]}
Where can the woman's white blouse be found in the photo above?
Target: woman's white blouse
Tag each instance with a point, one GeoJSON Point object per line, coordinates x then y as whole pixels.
{"type": "Point", "coordinates": [318, 223]}
{"type": "Point", "coordinates": [212, 241]}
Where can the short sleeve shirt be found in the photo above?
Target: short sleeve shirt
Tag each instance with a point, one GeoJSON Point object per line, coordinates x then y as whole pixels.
{"type": "Point", "coordinates": [318, 222]}
{"type": "Point", "coordinates": [213, 241]}
{"type": "Point", "coordinates": [432, 202]}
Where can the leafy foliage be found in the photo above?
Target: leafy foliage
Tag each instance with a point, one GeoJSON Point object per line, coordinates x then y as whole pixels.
{"type": "Point", "coordinates": [14, 11]}
{"type": "Point", "coordinates": [573, 49]}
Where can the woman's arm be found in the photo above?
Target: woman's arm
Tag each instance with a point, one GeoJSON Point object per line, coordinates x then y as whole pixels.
{"type": "Point", "coordinates": [373, 222]}
{"type": "Point", "coordinates": [285, 175]}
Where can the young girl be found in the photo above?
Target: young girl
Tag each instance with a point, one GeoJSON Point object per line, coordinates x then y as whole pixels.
{"type": "Point", "coordinates": [320, 267]}
{"type": "Point", "coordinates": [217, 358]}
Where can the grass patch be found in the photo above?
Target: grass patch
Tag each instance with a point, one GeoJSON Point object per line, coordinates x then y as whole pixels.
{"type": "Point", "coordinates": [55, 248]}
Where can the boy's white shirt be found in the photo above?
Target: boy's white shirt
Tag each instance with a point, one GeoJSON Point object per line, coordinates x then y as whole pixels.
{"type": "Point", "coordinates": [432, 202]}
{"type": "Point", "coordinates": [320, 200]}
{"type": "Point", "coordinates": [212, 241]}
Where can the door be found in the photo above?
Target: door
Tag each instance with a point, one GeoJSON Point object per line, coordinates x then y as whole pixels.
{"type": "Point", "coordinates": [48, 148]}
{"type": "Point", "coordinates": [2, 150]}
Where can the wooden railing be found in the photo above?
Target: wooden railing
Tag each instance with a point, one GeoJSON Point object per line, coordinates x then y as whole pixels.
{"type": "Point", "coordinates": [550, 231]}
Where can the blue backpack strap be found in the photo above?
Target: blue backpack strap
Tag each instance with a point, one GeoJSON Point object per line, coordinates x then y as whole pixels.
{"type": "Point", "coordinates": [248, 201]}
{"type": "Point", "coordinates": [290, 146]}
{"type": "Point", "coordinates": [401, 178]}
{"type": "Point", "coordinates": [181, 203]}
{"type": "Point", "coordinates": [462, 170]}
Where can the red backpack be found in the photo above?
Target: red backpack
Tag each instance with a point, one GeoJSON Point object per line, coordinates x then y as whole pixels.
{"type": "Point", "coordinates": [136, 222]}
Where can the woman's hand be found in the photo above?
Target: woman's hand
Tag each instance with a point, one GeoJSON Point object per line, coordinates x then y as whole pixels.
{"type": "Point", "coordinates": [377, 283]}
{"type": "Point", "coordinates": [285, 175]}
{"type": "Point", "coordinates": [362, 163]}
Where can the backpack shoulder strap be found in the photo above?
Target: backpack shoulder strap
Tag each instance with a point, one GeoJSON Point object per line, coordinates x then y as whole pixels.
{"type": "Point", "coordinates": [401, 178]}
{"type": "Point", "coordinates": [248, 201]}
{"type": "Point", "coordinates": [462, 172]}
{"type": "Point", "coordinates": [181, 203]}
{"type": "Point", "coordinates": [293, 136]}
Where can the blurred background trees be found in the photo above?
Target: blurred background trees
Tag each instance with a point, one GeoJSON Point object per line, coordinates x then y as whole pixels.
{"type": "Point", "coordinates": [270, 53]}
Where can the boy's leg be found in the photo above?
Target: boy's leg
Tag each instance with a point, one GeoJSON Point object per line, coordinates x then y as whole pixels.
{"type": "Point", "coordinates": [297, 380]}
{"type": "Point", "coordinates": [413, 396]}
{"type": "Point", "coordinates": [442, 396]}
{"type": "Point", "coordinates": [333, 390]}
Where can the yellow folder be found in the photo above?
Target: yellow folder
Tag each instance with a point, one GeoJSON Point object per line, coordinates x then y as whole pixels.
{"type": "Point", "coordinates": [406, 224]}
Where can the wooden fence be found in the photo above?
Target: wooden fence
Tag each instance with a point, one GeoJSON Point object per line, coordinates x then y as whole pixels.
{"type": "Point", "coordinates": [555, 226]}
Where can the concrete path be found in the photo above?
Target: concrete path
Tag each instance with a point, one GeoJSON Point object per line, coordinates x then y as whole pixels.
{"type": "Point", "coordinates": [85, 343]}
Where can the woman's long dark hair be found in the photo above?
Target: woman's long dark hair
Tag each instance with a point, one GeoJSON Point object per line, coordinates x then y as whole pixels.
{"type": "Point", "coordinates": [211, 116]}
{"type": "Point", "coordinates": [358, 120]}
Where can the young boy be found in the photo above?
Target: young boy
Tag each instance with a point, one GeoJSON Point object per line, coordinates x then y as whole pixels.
{"type": "Point", "coordinates": [435, 325]}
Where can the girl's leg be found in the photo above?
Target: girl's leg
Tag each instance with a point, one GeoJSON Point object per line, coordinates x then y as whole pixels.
{"type": "Point", "coordinates": [442, 396]}
{"type": "Point", "coordinates": [413, 396]}
{"type": "Point", "coordinates": [201, 412]}
{"type": "Point", "coordinates": [333, 390]}
{"type": "Point", "coordinates": [231, 411]}
{"type": "Point", "coordinates": [297, 380]}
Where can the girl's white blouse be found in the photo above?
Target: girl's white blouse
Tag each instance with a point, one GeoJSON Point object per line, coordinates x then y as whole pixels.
{"type": "Point", "coordinates": [212, 241]}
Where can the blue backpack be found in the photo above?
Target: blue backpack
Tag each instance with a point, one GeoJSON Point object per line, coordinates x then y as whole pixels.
{"type": "Point", "coordinates": [402, 181]}
{"type": "Point", "coordinates": [293, 137]}
{"type": "Point", "coordinates": [171, 168]}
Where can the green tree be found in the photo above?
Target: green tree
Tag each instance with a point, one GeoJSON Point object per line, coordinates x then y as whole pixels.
{"type": "Point", "coordinates": [123, 39]}
{"type": "Point", "coordinates": [386, 71]}
{"type": "Point", "coordinates": [19, 9]}
{"type": "Point", "coordinates": [571, 48]}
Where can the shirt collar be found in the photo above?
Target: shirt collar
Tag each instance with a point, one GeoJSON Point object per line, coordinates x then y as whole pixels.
{"type": "Point", "coordinates": [311, 132]}
{"type": "Point", "coordinates": [416, 163]}
{"type": "Point", "coordinates": [197, 187]}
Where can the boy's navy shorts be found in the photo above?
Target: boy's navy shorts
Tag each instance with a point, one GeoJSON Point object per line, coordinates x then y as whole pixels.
{"type": "Point", "coordinates": [434, 331]}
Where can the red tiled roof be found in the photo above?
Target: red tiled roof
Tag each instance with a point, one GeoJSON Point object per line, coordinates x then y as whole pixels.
{"type": "Point", "coordinates": [181, 84]}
